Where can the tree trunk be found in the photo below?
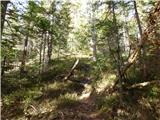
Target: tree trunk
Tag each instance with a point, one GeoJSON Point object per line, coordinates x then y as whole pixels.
{"type": "Point", "coordinates": [3, 13]}
{"type": "Point", "coordinates": [138, 20]}
{"type": "Point", "coordinates": [142, 54]}
{"type": "Point", "coordinates": [93, 45]}
{"type": "Point", "coordinates": [44, 49]}
{"type": "Point", "coordinates": [126, 34]}
{"type": "Point", "coordinates": [93, 32]}
{"type": "Point", "coordinates": [3, 66]}
{"type": "Point", "coordinates": [59, 47]}
{"type": "Point", "coordinates": [115, 36]}
{"type": "Point", "coordinates": [22, 70]}
{"type": "Point", "coordinates": [49, 47]}
{"type": "Point", "coordinates": [40, 53]}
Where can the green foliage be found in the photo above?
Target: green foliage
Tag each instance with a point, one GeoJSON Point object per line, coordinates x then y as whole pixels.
{"type": "Point", "coordinates": [135, 76]}
{"type": "Point", "coordinates": [101, 66]}
{"type": "Point", "coordinates": [154, 92]}
{"type": "Point", "coordinates": [104, 102]}
{"type": "Point", "coordinates": [82, 40]}
{"type": "Point", "coordinates": [43, 23]}
{"type": "Point", "coordinates": [51, 26]}
{"type": "Point", "coordinates": [67, 101]}
{"type": "Point", "coordinates": [25, 95]}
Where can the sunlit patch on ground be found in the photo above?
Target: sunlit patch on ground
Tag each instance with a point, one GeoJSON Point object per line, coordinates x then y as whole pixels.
{"type": "Point", "coordinates": [86, 93]}
{"type": "Point", "coordinates": [106, 81]}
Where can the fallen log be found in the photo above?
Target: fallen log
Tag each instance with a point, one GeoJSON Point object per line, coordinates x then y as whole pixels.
{"type": "Point", "coordinates": [71, 71]}
{"type": "Point", "coordinates": [143, 84]}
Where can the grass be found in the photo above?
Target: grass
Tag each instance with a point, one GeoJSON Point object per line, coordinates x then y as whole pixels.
{"type": "Point", "coordinates": [27, 90]}
{"type": "Point", "coordinates": [67, 101]}
{"type": "Point", "coordinates": [105, 102]}
{"type": "Point", "coordinates": [51, 94]}
{"type": "Point", "coordinates": [106, 81]}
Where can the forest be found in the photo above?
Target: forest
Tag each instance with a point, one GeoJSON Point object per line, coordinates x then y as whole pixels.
{"type": "Point", "coordinates": [80, 60]}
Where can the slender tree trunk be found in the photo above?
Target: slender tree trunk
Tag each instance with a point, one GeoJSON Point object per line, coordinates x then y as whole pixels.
{"type": "Point", "coordinates": [40, 54]}
{"type": "Point", "coordinates": [22, 70]}
{"type": "Point", "coordinates": [142, 58]}
{"type": "Point", "coordinates": [49, 47]}
{"type": "Point", "coordinates": [58, 56]}
{"type": "Point", "coordinates": [48, 51]}
{"type": "Point", "coordinates": [3, 66]}
{"type": "Point", "coordinates": [3, 13]}
{"type": "Point", "coordinates": [93, 32]}
{"type": "Point", "coordinates": [138, 20]}
{"type": "Point", "coordinates": [93, 45]}
{"type": "Point", "coordinates": [126, 34]}
{"type": "Point", "coordinates": [115, 36]}
{"type": "Point", "coordinates": [44, 49]}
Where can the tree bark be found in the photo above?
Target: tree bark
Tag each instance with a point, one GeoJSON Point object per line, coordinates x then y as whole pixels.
{"type": "Point", "coordinates": [3, 66]}
{"type": "Point", "coordinates": [138, 20]}
{"type": "Point", "coordinates": [71, 71]}
{"type": "Point", "coordinates": [141, 43]}
{"type": "Point", "coordinates": [126, 34]}
{"type": "Point", "coordinates": [93, 30]}
{"type": "Point", "coordinates": [115, 36]}
{"type": "Point", "coordinates": [49, 47]}
{"type": "Point", "coordinates": [59, 47]}
{"type": "Point", "coordinates": [3, 13]}
{"type": "Point", "coordinates": [40, 53]}
{"type": "Point", "coordinates": [143, 84]}
{"type": "Point", "coordinates": [44, 53]}
{"type": "Point", "coordinates": [22, 70]}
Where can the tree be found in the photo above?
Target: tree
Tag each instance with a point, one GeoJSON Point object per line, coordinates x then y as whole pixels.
{"type": "Point", "coordinates": [92, 22]}
{"type": "Point", "coordinates": [9, 34]}
{"type": "Point", "coordinates": [28, 18]}
{"type": "Point", "coordinates": [3, 13]}
{"type": "Point", "coordinates": [140, 41]}
{"type": "Point", "coordinates": [116, 38]}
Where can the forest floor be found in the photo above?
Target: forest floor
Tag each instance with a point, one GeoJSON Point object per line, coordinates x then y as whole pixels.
{"type": "Point", "coordinates": [83, 96]}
